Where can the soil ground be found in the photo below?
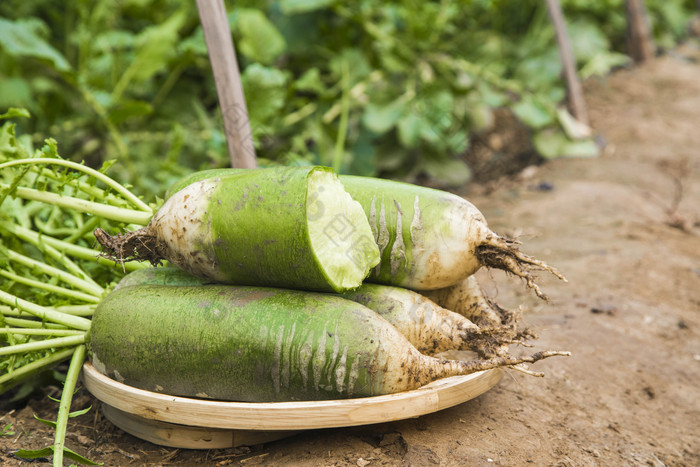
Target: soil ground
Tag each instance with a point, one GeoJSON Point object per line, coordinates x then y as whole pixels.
{"type": "Point", "coordinates": [624, 229]}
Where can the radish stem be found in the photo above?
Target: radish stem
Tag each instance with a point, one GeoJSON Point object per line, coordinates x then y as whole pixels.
{"type": "Point", "coordinates": [44, 312]}
{"type": "Point", "coordinates": [76, 364]}
{"type": "Point", "coordinates": [50, 288]}
{"type": "Point", "coordinates": [88, 227]}
{"type": "Point", "coordinates": [49, 245]}
{"type": "Point", "coordinates": [140, 205]}
{"type": "Point", "coordinates": [14, 376]}
{"type": "Point", "coordinates": [41, 332]}
{"type": "Point", "coordinates": [66, 277]}
{"type": "Point", "coordinates": [76, 310]}
{"type": "Point", "coordinates": [10, 320]}
{"type": "Point", "coordinates": [46, 344]}
{"type": "Point", "coordinates": [129, 216]}
{"type": "Point", "coordinates": [89, 189]}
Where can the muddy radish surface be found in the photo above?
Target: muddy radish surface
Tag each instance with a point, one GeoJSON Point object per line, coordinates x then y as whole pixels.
{"type": "Point", "coordinates": [624, 229]}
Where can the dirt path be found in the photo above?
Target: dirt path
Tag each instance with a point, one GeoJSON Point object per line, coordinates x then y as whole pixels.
{"type": "Point", "coordinates": [630, 314]}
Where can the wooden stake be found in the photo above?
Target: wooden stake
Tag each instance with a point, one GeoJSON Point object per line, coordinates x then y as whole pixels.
{"type": "Point", "coordinates": [640, 44]}
{"type": "Point", "coordinates": [576, 101]}
{"type": "Point", "coordinates": [239, 137]}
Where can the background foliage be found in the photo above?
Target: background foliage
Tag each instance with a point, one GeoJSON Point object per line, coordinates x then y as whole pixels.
{"type": "Point", "coordinates": [391, 88]}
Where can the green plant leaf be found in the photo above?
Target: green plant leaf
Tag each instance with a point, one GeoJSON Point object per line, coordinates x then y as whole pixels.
{"type": "Point", "coordinates": [410, 128]}
{"type": "Point", "coordinates": [451, 172]}
{"type": "Point", "coordinates": [380, 118]}
{"type": "Point", "coordinates": [260, 40]}
{"type": "Point", "coordinates": [14, 113]}
{"type": "Point", "coordinates": [46, 422]}
{"type": "Point", "coordinates": [291, 7]}
{"type": "Point", "coordinates": [539, 71]}
{"type": "Point", "coordinates": [155, 46]}
{"type": "Point", "coordinates": [48, 452]}
{"type": "Point", "coordinates": [265, 90]}
{"type": "Point", "coordinates": [35, 453]}
{"type": "Point", "coordinates": [602, 63]}
{"type": "Point", "coordinates": [7, 430]}
{"type": "Point", "coordinates": [310, 81]}
{"type": "Point", "coordinates": [15, 91]}
{"type": "Point", "coordinates": [21, 39]}
{"type": "Point", "coordinates": [74, 456]}
{"type": "Point", "coordinates": [356, 62]}
{"type": "Point", "coordinates": [129, 108]}
{"type": "Point", "coordinates": [78, 413]}
{"type": "Point", "coordinates": [587, 40]}
{"type": "Point", "coordinates": [532, 112]}
{"type": "Point", "coordinates": [481, 117]}
{"type": "Point", "coordinates": [363, 155]}
{"type": "Point", "coordinates": [195, 43]}
{"type": "Point", "coordinates": [551, 143]}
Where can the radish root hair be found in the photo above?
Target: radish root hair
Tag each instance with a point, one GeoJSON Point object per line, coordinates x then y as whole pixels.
{"type": "Point", "coordinates": [500, 253]}
{"type": "Point", "coordinates": [139, 245]}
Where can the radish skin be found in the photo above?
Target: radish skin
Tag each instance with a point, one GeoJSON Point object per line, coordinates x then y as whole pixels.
{"type": "Point", "coordinates": [428, 239]}
{"type": "Point", "coordinates": [259, 344]}
{"type": "Point", "coordinates": [168, 275]}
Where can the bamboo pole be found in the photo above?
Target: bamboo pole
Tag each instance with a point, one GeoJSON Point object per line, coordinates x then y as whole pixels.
{"type": "Point", "coordinates": [576, 101]}
{"type": "Point", "coordinates": [640, 44]}
{"type": "Point", "coordinates": [222, 55]}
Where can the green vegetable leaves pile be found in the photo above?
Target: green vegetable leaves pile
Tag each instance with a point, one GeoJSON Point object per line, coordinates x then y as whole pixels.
{"type": "Point", "coordinates": [50, 275]}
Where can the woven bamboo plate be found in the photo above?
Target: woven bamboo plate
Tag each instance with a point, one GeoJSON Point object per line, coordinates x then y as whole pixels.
{"type": "Point", "coordinates": [205, 424]}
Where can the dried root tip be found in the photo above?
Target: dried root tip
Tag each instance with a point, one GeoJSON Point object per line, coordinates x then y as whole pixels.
{"type": "Point", "coordinates": [523, 369]}
{"type": "Point", "coordinates": [497, 252]}
{"type": "Point", "coordinates": [521, 342]}
{"type": "Point", "coordinates": [139, 245]}
{"type": "Point", "coordinates": [511, 360]}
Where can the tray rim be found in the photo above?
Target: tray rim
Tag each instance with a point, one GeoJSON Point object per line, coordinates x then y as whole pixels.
{"type": "Point", "coordinates": [294, 415]}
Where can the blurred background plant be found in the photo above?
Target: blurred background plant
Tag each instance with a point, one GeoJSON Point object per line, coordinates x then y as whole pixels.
{"type": "Point", "coordinates": [393, 88]}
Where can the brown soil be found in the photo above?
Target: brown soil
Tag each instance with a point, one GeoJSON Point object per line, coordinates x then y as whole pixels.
{"type": "Point", "coordinates": [624, 229]}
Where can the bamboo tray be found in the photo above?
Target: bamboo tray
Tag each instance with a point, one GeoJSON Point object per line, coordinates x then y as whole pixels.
{"type": "Point", "coordinates": [205, 424]}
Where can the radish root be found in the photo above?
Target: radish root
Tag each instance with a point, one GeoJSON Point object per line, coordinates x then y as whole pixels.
{"type": "Point", "coordinates": [139, 245]}
{"type": "Point", "coordinates": [512, 361]}
{"type": "Point", "coordinates": [498, 252]}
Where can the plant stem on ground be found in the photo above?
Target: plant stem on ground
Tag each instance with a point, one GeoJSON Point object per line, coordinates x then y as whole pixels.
{"type": "Point", "coordinates": [76, 364]}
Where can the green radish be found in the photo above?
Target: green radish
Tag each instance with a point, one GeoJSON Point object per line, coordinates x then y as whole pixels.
{"type": "Point", "coordinates": [428, 239]}
{"type": "Point", "coordinates": [166, 275]}
{"type": "Point", "coordinates": [289, 227]}
{"type": "Point", "coordinates": [427, 326]}
{"type": "Point", "coordinates": [259, 344]}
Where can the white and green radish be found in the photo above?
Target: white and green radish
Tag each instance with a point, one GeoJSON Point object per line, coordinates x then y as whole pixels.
{"type": "Point", "coordinates": [288, 227]}
{"type": "Point", "coordinates": [467, 299]}
{"type": "Point", "coordinates": [435, 330]}
{"type": "Point", "coordinates": [259, 344]}
{"type": "Point", "coordinates": [431, 328]}
{"type": "Point", "coordinates": [427, 326]}
{"type": "Point", "coordinates": [428, 239]}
